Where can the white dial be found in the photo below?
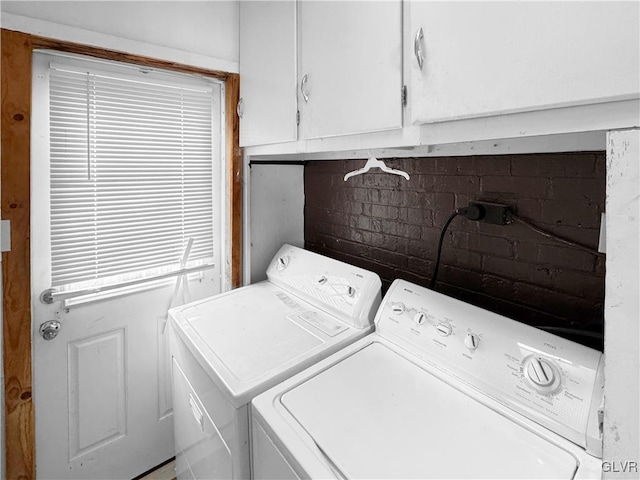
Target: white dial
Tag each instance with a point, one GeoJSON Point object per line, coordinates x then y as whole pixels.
{"type": "Point", "coordinates": [471, 341]}
{"type": "Point", "coordinates": [420, 318]}
{"type": "Point", "coordinates": [540, 371]}
{"type": "Point", "coordinates": [397, 308]}
{"type": "Point", "coordinates": [282, 263]}
{"type": "Point", "coordinates": [541, 374]}
{"type": "Point", "coordinates": [443, 329]}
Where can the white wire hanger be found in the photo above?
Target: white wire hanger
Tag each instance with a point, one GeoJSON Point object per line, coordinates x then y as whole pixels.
{"type": "Point", "coordinates": [373, 162]}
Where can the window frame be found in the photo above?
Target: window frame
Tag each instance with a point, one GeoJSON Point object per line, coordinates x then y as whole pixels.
{"type": "Point", "coordinates": [40, 183]}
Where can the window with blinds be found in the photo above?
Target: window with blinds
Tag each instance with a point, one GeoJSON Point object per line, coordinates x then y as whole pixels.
{"type": "Point", "coordinates": [131, 175]}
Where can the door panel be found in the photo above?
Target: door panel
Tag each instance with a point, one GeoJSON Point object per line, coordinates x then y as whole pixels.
{"type": "Point", "coordinates": [96, 364]}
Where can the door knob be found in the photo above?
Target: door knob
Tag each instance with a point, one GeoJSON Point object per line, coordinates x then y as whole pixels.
{"type": "Point", "coordinates": [49, 330]}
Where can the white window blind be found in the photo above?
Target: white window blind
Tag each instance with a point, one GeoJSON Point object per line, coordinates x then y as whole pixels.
{"type": "Point", "coordinates": [131, 176]}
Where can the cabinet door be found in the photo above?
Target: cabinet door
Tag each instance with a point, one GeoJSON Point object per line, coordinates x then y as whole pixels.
{"type": "Point", "coordinates": [268, 72]}
{"type": "Point", "coordinates": [489, 58]}
{"type": "Point", "coordinates": [351, 61]}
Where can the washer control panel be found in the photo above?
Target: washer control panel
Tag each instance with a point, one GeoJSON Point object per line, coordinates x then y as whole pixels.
{"type": "Point", "coordinates": [549, 379]}
{"type": "Point", "coordinates": [348, 292]}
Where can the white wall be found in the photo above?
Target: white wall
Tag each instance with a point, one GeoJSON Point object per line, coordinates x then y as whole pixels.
{"type": "Point", "coordinates": [622, 306]}
{"type": "Point", "coordinates": [276, 213]}
{"type": "Point", "coordinates": [203, 34]}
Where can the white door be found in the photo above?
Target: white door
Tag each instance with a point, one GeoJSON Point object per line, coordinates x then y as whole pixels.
{"type": "Point", "coordinates": [350, 67]}
{"type": "Point", "coordinates": [492, 58]}
{"type": "Point", "coordinates": [102, 386]}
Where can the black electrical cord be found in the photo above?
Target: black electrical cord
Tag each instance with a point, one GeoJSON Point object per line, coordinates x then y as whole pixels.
{"type": "Point", "coordinates": [432, 284]}
{"type": "Point", "coordinates": [476, 213]}
{"type": "Point", "coordinates": [555, 237]}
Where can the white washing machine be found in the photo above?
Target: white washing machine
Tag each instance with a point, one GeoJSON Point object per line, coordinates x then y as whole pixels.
{"type": "Point", "coordinates": [442, 389]}
{"type": "Point", "coordinates": [228, 348]}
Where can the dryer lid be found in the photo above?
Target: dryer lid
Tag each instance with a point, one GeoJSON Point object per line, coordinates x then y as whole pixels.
{"type": "Point", "coordinates": [377, 415]}
{"type": "Point", "coordinates": [252, 331]}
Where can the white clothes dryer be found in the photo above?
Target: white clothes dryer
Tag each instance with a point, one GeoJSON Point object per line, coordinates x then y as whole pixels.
{"type": "Point", "coordinates": [441, 389]}
{"type": "Point", "coordinates": [228, 348]}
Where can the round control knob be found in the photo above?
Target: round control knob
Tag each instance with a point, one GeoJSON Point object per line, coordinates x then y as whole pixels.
{"type": "Point", "coordinates": [397, 308]}
{"type": "Point", "coordinates": [540, 372]}
{"type": "Point", "coordinates": [443, 329]}
{"type": "Point", "coordinates": [420, 318]}
{"type": "Point", "coordinates": [471, 341]}
{"type": "Point", "coordinates": [282, 263]}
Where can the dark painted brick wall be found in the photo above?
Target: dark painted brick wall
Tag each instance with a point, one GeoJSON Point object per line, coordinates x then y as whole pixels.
{"type": "Point", "coordinates": [390, 225]}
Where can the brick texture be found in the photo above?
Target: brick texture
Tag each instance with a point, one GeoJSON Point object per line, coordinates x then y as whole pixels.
{"type": "Point", "coordinates": [391, 226]}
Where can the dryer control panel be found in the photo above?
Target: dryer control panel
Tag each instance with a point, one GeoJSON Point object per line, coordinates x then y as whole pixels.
{"type": "Point", "coordinates": [548, 379]}
{"type": "Point", "coordinates": [348, 292]}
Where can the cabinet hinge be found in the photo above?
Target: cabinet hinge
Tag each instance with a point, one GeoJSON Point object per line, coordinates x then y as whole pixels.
{"type": "Point", "coordinates": [404, 95]}
{"type": "Point", "coordinates": [297, 117]}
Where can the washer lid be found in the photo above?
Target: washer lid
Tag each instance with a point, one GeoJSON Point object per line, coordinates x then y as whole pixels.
{"type": "Point", "coordinates": [377, 415]}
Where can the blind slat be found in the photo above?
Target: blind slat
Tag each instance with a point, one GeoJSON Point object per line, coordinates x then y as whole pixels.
{"type": "Point", "coordinates": [131, 174]}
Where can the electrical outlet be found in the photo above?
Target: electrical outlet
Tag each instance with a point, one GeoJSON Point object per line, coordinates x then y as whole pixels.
{"type": "Point", "coordinates": [495, 213]}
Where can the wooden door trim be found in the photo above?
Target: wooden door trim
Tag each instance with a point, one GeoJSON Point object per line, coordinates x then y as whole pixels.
{"type": "Point", "coordinates": [16, 265]}
{"type": "Point", "coordinates": [17, 50]}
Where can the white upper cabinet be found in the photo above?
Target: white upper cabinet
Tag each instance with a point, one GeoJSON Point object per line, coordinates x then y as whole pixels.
{"type": "Point", "coordinates": [491, 58]}
{"type": "Point", "coordinates": [320, 76]}
{"type": "Point", "coordinates": [267, 72]}
{"type": "Point", "coordinates": [350, 67]}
